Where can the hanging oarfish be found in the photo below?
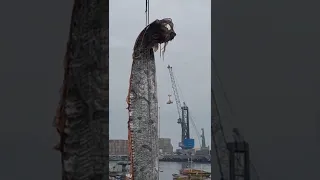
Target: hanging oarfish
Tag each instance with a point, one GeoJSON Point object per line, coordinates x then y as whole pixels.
{"type": "Point", "coordinates": [142, 100]}
{"type": "Point", "coordinates": [82, 115]}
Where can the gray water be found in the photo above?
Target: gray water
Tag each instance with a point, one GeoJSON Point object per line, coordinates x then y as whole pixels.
{"type": "Point", "coordinates": [169, 168]}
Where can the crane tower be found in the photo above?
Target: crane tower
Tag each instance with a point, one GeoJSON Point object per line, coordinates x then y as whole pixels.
{"type": "Point", "coordinates": [203, 140]}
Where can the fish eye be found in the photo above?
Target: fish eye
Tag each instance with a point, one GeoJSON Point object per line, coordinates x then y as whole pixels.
{"type": "Point", "coordinates": [168, 26]}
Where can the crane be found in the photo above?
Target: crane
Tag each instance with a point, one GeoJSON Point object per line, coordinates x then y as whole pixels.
{"type": "Point", "coordinates": [228, 153]}
{"type": "Point", "coordinates": [232, 157]}
{"type": "Point", "coordinates": [183, 113]}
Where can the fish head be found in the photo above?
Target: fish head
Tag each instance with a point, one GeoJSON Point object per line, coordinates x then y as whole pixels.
{"type": "Point", "coordinates": [162, 30]}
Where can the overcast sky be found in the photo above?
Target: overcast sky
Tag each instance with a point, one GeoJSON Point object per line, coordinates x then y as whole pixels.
{"type": "Point", "coordinates": [189, 55]}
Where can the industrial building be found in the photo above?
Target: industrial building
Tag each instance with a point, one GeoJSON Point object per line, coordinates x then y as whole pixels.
{"type": "Point", "coordinates": [119, 147]}
{"type": "Point", "coordinates": [165, 146]}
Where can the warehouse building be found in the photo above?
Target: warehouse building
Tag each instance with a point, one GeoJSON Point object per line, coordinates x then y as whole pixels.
{"type": "Point", "coordinates": [118, 147]}
{"type": "Point", "coordinates": [165, 146]}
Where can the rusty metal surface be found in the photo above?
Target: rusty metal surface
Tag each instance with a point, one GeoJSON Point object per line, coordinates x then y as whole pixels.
{"type": "Point", "coordinates": [82, 115]}
{"type": "Point", "coordinates": [143, 103]}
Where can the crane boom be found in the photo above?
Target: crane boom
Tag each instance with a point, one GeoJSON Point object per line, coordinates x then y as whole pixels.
{"type": "Point", "coordinates": [175, 92]}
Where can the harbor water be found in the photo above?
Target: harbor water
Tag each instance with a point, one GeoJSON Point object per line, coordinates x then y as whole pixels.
{"type": "Point", "coordinates": [168, 168]}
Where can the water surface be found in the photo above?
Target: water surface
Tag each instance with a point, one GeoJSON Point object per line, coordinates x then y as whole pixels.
{"type": "Point", "coordinates": [169, 168]}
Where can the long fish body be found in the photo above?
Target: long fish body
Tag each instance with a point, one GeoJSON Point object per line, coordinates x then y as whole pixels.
{"type": "Point", "coordinates": [143, 103]}
{"type": "Point", "coordinates": [82, 115]}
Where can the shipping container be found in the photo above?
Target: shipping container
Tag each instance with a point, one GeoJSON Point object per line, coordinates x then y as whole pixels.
{"type": "Point", "coordinates": [188, 143]}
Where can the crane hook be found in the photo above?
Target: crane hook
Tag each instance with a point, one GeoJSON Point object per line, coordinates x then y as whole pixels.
{"type": "Point", "coordinates": [169, 101]}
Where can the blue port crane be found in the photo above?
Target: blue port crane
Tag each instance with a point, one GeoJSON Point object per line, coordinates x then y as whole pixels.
{"type": "Point", "coordinates": [183, 112]}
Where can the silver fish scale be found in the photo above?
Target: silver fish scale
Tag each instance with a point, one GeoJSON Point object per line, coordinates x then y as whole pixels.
{"type": "Point", "coordinates": [85, 145]}
{"type": "Point", "coordinates": [143, 112]}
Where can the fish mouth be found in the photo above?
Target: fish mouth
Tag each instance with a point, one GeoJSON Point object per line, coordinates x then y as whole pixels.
{"type": "Point", "coordinates": [172, 35]}
{"type": "Point", "coordinates": [168, 37]}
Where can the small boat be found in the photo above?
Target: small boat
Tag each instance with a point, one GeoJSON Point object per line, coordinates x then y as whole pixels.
{"type": "Point", "coordinates": [194, 172]}
{"type": "Point", "coordinates": [179, 177]}
{"type": "Point", "coordinates": [191, 174]}
{"type": "Point", "coordinates": [188, 177]}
